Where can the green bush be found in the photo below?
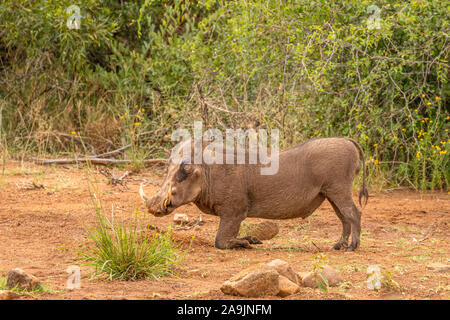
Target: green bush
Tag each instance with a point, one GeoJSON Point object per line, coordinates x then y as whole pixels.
{"type": "Point", "coordinates": [136, 69]}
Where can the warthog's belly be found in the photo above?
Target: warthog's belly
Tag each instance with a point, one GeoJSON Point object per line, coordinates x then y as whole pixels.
{"type": "Point", "coordinates": [288, 209]}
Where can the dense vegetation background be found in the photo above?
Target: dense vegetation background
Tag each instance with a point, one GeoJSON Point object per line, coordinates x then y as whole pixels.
{"type": "Point", "coordinates": [376, 71]}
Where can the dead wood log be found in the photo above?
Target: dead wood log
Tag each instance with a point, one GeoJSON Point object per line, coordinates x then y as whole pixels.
{"type": "Point", "coordinates": [93, 160]}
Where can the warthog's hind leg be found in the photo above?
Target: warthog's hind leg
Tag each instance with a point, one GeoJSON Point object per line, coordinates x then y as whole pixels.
{"type": "Point", "coordinates": [356, 227]}
{"type": "Point", "coordinates": [350, 216]}
{"type": "Point", "coordinates": [346, 229]}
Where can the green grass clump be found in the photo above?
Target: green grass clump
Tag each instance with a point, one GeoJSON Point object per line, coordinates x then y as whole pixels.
{"type": "Point", "coordinates": [128, 251]}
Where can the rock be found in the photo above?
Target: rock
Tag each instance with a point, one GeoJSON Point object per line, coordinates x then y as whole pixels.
{"type": "Point", "coordinates": [180, 218]}
{"type": "Point", "coordinates": [20, 279]}
{"type": "Point", "coordinates": [8, 295]}
{"type": "Point", "coordinates": [439, 267]}
{"type": "Point", "coordinates": [256, 281]}
{"type": "Point", "coordinates": [300, 276]}
{"type": "Point", "coordinates": [283, 269]}
{"type": "Point", "coordinates": [311, 278]}
{"type": "Point", "coordinates": [264, 230]}
{"type": "Point", "coordinates": [287, 287]}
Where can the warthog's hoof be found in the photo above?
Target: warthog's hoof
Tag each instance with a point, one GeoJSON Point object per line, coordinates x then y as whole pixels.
{"type": "Point", "coordinates": [251, 240]}
{"type": "Point", "coordinates": [233, 243]}
{"type": "Point", "coordinates": [352, 247]}
{"type": "Point", "coordinates": [238, 243]}
{"type": "Point", "coordinates": [338, 246]}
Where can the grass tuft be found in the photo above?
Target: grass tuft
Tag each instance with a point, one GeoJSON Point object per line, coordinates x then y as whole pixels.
{"type": "Point", "coordinates": [129, 251]}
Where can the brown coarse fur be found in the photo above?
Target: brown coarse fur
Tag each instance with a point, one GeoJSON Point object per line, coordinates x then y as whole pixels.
{"type": "Point", "coordinates": [308, 174]}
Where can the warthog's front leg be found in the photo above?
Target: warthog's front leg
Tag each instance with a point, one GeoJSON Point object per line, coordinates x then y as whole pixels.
{"type": "Point", "coordinates": [228, 230]}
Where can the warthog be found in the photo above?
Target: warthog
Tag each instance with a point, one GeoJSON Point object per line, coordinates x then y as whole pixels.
{"type": "Point", "coordinates": [308, 174]}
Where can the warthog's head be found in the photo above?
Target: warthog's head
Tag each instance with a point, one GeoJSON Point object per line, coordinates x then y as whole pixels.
{"type": "Point", "coordinates": [181, 185]}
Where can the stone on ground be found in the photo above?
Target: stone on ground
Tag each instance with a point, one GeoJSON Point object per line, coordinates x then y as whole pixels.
{"type": "Point", "coordinates": [300, 276]}
{"type": "Point", "coordinates": [256, 281]}
{"type": "Point", "coordinates": [23, 281]}
{"type": "Point", "coordinates": [287, 287]}
{"type": "Point", "coordinates": [311, 279]}
{"type": "Point", "coordinates": [264, 230]}
{"type": "Point", "coordinates": [284, 269]}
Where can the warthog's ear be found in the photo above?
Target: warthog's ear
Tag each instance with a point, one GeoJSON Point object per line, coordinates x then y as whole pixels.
{"type": "Point", "coordinates": [184, 171]}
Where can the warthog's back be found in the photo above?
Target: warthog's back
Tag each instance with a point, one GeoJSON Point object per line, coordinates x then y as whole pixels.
{"type": "Point", "coordinates": [305, 173]}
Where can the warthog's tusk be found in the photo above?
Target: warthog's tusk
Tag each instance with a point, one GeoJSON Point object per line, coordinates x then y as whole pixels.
{"type": "Point", "coordinates": [142, 194]}
{"type": "Point", "coordinates": [169, 198]}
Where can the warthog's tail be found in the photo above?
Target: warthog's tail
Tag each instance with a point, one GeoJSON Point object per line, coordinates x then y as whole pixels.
{"type": "Point", "coordinates": [363, 192]}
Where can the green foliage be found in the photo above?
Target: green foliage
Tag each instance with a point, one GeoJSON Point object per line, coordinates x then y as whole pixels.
{"type": "Point", "coordinates": [390, 284]}
{"type": "Point", "coordinates": [310, 69]}
{"type": "Point", "coordinates": [319, 261]}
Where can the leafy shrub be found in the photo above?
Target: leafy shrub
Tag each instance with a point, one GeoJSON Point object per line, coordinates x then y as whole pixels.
{"type": "Point", "coordinates": [308, 68]}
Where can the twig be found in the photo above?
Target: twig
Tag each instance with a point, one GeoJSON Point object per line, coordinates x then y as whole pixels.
{"type": "Point", "coordinates": [288, 248]}
{"type": "Point", "coordinates": [318, 249]}
{"type": "Point", "coordinates": [112, 179]}
{"type": "Point", "coordinates": [123, 178]}
{"type": "Point", "coordinates": [192, 224]}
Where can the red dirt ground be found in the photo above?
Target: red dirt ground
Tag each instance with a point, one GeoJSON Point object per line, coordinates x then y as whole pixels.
{"type": "Point", "coordinates": [42, 229]}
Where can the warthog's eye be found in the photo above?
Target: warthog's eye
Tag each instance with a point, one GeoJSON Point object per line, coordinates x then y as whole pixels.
{"type": "Point", "coordinates": [181, 174]}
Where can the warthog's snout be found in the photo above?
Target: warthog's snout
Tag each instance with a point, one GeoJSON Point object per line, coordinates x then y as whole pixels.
{"type": "Point", "coordinates": [160, 204]}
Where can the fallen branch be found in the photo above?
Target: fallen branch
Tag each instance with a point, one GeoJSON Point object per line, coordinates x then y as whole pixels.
{"type": "Point", "coordinates": [145, 181]}
{"type": "Point", "coordinates": [110, 153]}
{"type": "Point", "coordinates": [93, 160]}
